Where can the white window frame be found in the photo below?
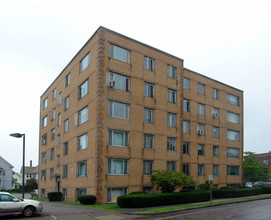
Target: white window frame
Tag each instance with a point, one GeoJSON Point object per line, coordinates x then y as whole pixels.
{"type": "Point", "coordinates": [149, 63]}
{"type": "Point", "coordinates": [147, 167]}
{"type": "Point", "coordinates": [233, 170]}
{"type": "Point", "coordinates": [186, 148]}
{"type": "Point", "coordinates": [215, 132]}
{"type": "Point", "coordinates": [115, 108]}
{"type": "Point", "coordinates": [233, 117]}
{"type": "Point", "coordinates": [215, 170]}
{"type": "Point", "coordinates": [201, 170]}
{"type": "Point", "coordinates": [233, 152]}
{"type": "Point", "coordinates": [201, 109]}
{"type": "Point", "coordinates": [111, 137]}
{"type": "Point", "coordinates": [59, 98]}
{"type": "Point", "coordinates": [65, 148]}
{"type": "Point", "coordinates": [233, 135]}
{"type": "Point", "coordinates": [83, 89]}
{"type": "Point", "coordinates": [45, 121]}
{"type": "Point", "coordinates": [68, 79]}
{"type": "Point", "coordinates": [148, 141]}
{"type": "Point", "coordinates": [53, 114]}
{"type": "Point", "coordinates": [201, 129]}
{"type": "Point", "coordinates": [148, 115]}
{"type": "Point", "coordinates": [215, 93]}
{"type": "Point", "coordinates": [112, 166]}
{"type": "Point", "coordinates": [186, 105]}
{"type": "Point", "coordinates": [201, 88]}
{"type": "Point", "coordinates": [171, 144]}
{"type": "Point", "coordinates": [59, 119]}
{"type": "Point", "coordinates": [215, 151]}
{"type": "Point", "coordinates": [79, 164]}
{"type": "Point", "coordinates": [232, 99]}
{"type": "Point", "coordinates": [84, 63]}
{"type": "Point", "coordinates": [110, 192]}
{"type": "Point", "coordinates": [66, 126]}
{"type": "Point", "coordinates": [201, 149]}
{"type": "Point", "coordinates": [186, 127]}
{"type": "Point", "coordinates": [172, 96]}
{"type": "Point", "coordinates": [43, 156]}
{"type": "Point", "coordinates": [54, 94]}
{"type": "Point", "coordinates": [171, 120]}
{"type": "Point", "coordinates": [186, 83]}
{"type": "Point", "coordinates": [148, 90]}
{"type": "Point", "coordinates": [83, 115]}
{"type": "Point", "coordinates": [67, 103]}
{"type": "Point", "coordinates": [45, 103]}
{"type": "Point", "coordinates": [82, 142]}
{"type": "Point", "coordinates": [171, 71]}
{"type": "Point", "coordinates": [118, 81]}
{"type": "Point", "coordinates": [58, 140]}
{"type": "Point", "coordinates": [119, 53]}
{"type": "Point", "coordinates": [215, 113]}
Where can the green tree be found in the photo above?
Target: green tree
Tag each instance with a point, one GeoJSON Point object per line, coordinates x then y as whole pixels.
{"type": "Point", "coordinates": [253, 169]}
{"type": "Point", "coordinates": [31, 184]}
{"type": "Point", "coordinates": [168, 181]}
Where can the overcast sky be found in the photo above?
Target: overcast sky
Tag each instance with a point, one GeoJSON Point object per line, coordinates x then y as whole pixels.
{"type": "Point", "coordinates": [228, 40]}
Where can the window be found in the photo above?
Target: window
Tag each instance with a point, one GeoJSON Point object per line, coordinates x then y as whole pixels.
{"type": "Point", "coordinates": [201, 129]}
{"type": "Point", "coordinates": [201, 149]}
{"type": "Point", "coordinates": [43, 175]}
{"type": "Point", "coordinates": [186, 148]}
{"type": "Point", "coordinates": [171, 120]}
{"type": "Point", "coordinates": [171, 144]}
{"type": "Point", "coordinates": [148, 141]}
{"type": "Point", "coordinates": [232, 99]}
{"type": "Point", "coordinates": [201, 109]}
{"type": "Point", "coordinates": [83, 115]}
{"type": "Point", "coordinates": [57, 160]}
{"type": "Point", "coordinates": [233, 152]}
{"type": "Point", "coordinates": [82, 142]}
{"type": "Point", "coordinates": [171, 165]}
{"type": "Point", "coordinates": [233, 117]}
{"type": "Point", "coordinates": [186, 127]}
{"type": "Point", "coordinates": [60, 98]}
{"type": "Point", "coordinates": [233, 135]}
{"type": "Point", "coordinates": [148, 115]}
{"type": "Point", "coordinates": [83, 89]}
{"type": "Point", "coordinates": [186, 169]}
{"type": "Point", "coordinates": [52, 154]}
{"type": "Point", "coordinates": [118, 166]}
{"type": "Point", "coordinates": [53, 131]}
{"type": "Point", "coordinates": [44, 122]}
{"type": "Point", "coordinates": [119, 82]}
{"type": "Point", "coordinates": [51, 173]}
{"type": "Point", "coordinates": [215, 132]}
{"type": "Point", "coordinates": [65, 171]}
{"type": "Point", "coordinates": [171, 71]}
{"type": "Point", "coordinates": [186, 105]}
{"type": "Point", "coordinates": [82, 168]}
{"type": "Point", "coordinates": [119, 53]}
{"type": "Point", "coordinates": [215, 151]}
{"type": "Point", "coordinates": [80, 192]}
{"type": "Point", "coordinates": [53, 114]}
{"type": "Point", "coordinates": [149, 63]}
{"type": "Point", "coordinates": [171, 95]}
{"type": "Point", "coordinates": [43, 157]}
{"type": "Point", "coordinates": [201, 88]}
{"type": "Point", "coordinates": [45, 103]}
{"type": "Point", "coordinates": [67, 103]}
{"type": "Point", "coordinates": [147, 167]}
{"type": "Point", "coordinates": [233, 170]}
{"type": "Point", "coordinates": [64, 193]}
{"type": "Point", "coordinates": [59, 119]}
{"type": "Point", "coordinates": [215, 113]}
{"type": "Point", "coordinates": [215, 93]}
{"type": "Point", "coordinates": [58, 140]}
{"type": "Point", "coordinates": [114, 193]}
{"type": "Point", "coordinates": [54, 94]}
{"type": "Point", "coordinates": [44, 139]}
{"type": "Point", "coordinates": [65, 149]}
{"type": "Point", "coordinates": [215, 170]}
{"type": "Point", "coordinates": [66, 126]}
{"type": "Point", "coordinates": [148, 189]}
{"type": "Point", "coordinates": [148, 90]}
{"type": "Point", "coordinates": [68, 79]}
{"type": "Point", "coordinates": [201, 171]}
{"type": "Point", "coordinates": [186, 83]}
{"type": "Point", "coordinates": [84, 63]}
{"type": "Point", "coordinates": [265, 162]}
{"type": "Point", "coordinates": [118, 138]}
{"type": "Point", "coordinates": [119, 110]}
{"type": "Point", "coordinates": [42, 193]}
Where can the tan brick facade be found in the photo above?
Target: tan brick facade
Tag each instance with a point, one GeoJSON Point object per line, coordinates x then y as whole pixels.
{"type": "Point", "coordinates": [100, 156]}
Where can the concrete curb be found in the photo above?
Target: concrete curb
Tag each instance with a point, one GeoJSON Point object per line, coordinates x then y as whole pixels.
{"type": "Point", "coordinates": [192, 208]}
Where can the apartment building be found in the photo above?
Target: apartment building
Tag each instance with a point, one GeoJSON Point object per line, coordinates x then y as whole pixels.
{"type": "Point", "coordinates": [121, 109]}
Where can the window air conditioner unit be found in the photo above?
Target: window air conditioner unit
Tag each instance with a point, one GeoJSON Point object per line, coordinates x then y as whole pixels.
{"type": "Point", "coordinates": [200, 132]}
{"type": "Point", "coordinates": [214, 115]}
{"type": "Point", "coordinates": [111, 83]}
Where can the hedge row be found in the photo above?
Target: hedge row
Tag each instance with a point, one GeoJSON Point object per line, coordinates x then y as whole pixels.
{"type": "Point", "coordinates": [231, 193]}
{"type": "Point", "coordinates": [266, 189]}
{"type": "Point", "coordinates": [87, 199]}
{"type": "Point", "coordinates": [157, 199]}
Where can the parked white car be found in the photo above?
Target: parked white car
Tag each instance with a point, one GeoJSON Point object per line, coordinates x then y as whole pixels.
{"type": "Point", "coordinates": [12, 204]}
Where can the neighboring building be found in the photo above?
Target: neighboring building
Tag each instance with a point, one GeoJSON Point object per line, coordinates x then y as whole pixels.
{"type": "Point", "coordinates": [121, 108]}
{"type": "Point", "coordinates": [5, 174]}
{"type": "Point", "coordinates": [16, 180]}
{"type": "Point", "coordinates": [265, 159]}
{"type": "Point", "coordinates": [30, 172]}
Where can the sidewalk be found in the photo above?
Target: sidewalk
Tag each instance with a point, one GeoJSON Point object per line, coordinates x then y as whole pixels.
{"type": "Point", "coordinates": [182, 207]}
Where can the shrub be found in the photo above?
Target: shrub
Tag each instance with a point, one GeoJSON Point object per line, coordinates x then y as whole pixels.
{"type": "Point", "coordinates": [87, 199]}
{"type": "Point", "coordinates": [156, 199]}
{"type": "Point", "coordinates": [267, 189]}
{"type": "Point", "coordinates": [54, 196]}
{"type": "Point", "coordinates": [230, 193]}
{"type": "Point", "coordinates": [138, 192]}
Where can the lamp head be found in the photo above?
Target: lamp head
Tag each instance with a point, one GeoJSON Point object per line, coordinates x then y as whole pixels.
{"type": "Point", "coordinates": [17, 135]}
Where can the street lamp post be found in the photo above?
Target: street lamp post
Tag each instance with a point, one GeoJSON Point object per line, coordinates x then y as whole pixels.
{"type": "Point", "coordinates": [18, 135]}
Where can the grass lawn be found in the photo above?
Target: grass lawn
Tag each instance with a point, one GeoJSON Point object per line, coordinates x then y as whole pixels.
{"type": "Point", "coordinates": [36, 198]}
